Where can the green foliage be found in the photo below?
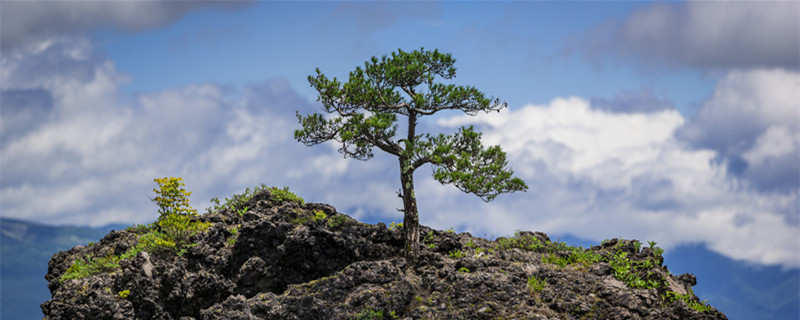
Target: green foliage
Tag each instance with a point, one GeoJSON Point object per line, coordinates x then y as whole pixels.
{"type": "Point", "coordinates": [236, 202]}
{"type": "Point", "coordinates": [177, 228]}
{"type": "Point", "coordinates": [536, 284]}
{"type": "Point", "coordinates": [555, 259]}
{"type": "Point", "coordinates": [234, 231]}
{"type": "Point", "coordinates": [463, 270]}
{"type": "Point", "coordinates": [699, 306]}
{"type": "Point", "coordinates": [395, 226]}
{"type": "Point", "coordinates": [171, 198]}
{"type": "Point", "coordinates": [140, 228]}
{"type": "Point", "coordinates": [450, 230]}
{"type": "Point", "coordinates": [456, 254]}
{"type": "Point", "coordinates": [124, 293]}
{"type": "Point", "coordinates": [470, 244]}
{"type": "Point", "coordinates": [284, 195]}
{"type": "Point", "coordinates": [637, 245]}
{"type": "Point", "coordinates": [87, 266]}
{"type": "Point", "coordinates": [303, 217]}
{"type": "Point", "coordinates": [635, 274]}
{"type": "Point", "coordinates": [369, 314]}
{"type": "Point", "coordinates": [524, 242]}
{"type": "Point", "coordinates": [153, 242]}
{"type": "Point", "coordinates": [428, 237]}
{"type": "Point", "coordinates": [337, 221]}
{"type": "Point", "coordinates": [365, 112]}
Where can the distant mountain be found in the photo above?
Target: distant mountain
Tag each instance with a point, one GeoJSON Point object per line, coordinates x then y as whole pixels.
{"type": "Point", "coordinates": [741, 290]}
{"type": "Point", "coordinates": [25, 249]}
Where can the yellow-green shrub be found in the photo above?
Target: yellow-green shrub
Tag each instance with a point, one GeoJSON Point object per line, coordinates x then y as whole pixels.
{"type": "Point", "coordinates": [171, 197]}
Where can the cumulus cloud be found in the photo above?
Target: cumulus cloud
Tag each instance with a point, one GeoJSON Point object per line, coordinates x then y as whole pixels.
{"type": "Point", "coordinates": [80, 152]}
{"type": "Point", "coordinates": [753, 122]}
{"type": "Point", "coordinates": [643, 101]}
{"type": "Point", "coordinates": [25, 22]}
{"type": "Point", "coordinates": [75, 151]}
{"type": "Point", "coordinates": [718, 34]}
{"type": "Point", "coordinates": [628, 173]}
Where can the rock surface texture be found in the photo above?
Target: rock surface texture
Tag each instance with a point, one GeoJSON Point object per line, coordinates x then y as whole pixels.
{"type": "Point", "coordinates": [287, 260]}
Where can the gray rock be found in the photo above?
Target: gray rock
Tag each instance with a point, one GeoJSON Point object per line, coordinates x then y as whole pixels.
{"type": "Point", "coordinates": [270, 263]}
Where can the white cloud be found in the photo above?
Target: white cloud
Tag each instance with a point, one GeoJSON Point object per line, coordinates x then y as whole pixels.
{"type": "Point", "coordinates": [592, 173]}
{"type": "Point", "coordinates": [775, 143]}
{"type": "Point", "coordinates": [749, 112]}
{"type": "Point", "coordinates": [600, 175]}
{"type": "Point", "coordinates": [708, 34]}
{"type": "Point", "coordinates": [28, 22]}
{"type": "Point", "coordinates": [93, 154]}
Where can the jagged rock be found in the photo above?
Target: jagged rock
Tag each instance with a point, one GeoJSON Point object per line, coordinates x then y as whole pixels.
{"type": "Point", "coordinates": [276, 261]}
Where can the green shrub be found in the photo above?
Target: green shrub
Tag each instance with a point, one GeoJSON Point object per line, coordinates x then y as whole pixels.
{"type": "Point", "coordinates": [635, 274]}
{"type": "Point", "coordinates": [535, 284]}
{"type": "Point", "coordinates": [471, 244]}
{"type": "Point", "coordinates": [524, 242]}
{"type": "Point", "coordinates": [337, 221]}
{"type": "Point", "coordinates": [428, 237]}
{"type": "Point", "coordinates": [87, 266]}
{"type": "Point", "coordinates": [456, 254]}
{"type": "Point", "coordinates": [698, 306]}
{"type": "Point", "coordinates": [237, 202]}
{"type": "Point", "coordinates": [124, 293]}
{"type": "Point", "coordinates": [284, 195]}
{"type": "Point", "coordinates": [369, 314]}
{"type": "Point", "coordinates": [178, 228]}
{"type": "Point", "coordinates": [463, 270]}
{"type": "Point", "coordinates": [171, 198]}
{"type": "Point", "coordinates": [395, 226]}
{"type": "Point", "coordinates": [319, 215]}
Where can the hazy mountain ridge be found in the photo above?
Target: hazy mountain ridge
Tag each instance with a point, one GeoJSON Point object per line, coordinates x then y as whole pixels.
{"type": "Point", "coordinates": [26, 248]}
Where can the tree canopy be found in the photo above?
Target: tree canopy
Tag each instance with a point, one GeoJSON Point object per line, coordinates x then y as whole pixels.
{"type": "Point", "coordinates": [363, 114]}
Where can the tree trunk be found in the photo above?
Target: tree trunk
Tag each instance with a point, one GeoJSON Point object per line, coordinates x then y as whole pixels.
{"type": "Point", "coordinates": [411, 216]}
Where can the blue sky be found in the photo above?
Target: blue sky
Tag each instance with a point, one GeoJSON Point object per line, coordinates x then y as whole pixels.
{"type": "Point", "coordinates": [675, 122]}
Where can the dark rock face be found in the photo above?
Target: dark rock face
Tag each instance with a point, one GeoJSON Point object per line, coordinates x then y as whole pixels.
{"type": "Point", "coordinates": [268, 263]}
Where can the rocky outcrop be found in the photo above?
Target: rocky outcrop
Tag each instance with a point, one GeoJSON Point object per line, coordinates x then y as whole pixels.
{"type": "Point", "coordinates": [286, 260]}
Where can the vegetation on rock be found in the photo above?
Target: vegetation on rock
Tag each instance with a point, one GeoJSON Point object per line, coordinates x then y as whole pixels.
{"type": "Point", "coordinates": [365, 112]}
{"type": "Point", "coordinates": [330, 266]}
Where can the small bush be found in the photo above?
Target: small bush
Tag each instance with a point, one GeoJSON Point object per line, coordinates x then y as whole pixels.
{"type": "Point", "coordinates": [471, 244]}
{"type": "Point", "coordinates": [319, 215]}
{"type": "Point", "coordinates": [635, 274]}
{"type": "Point", "coordinates": [237, 202]}
{"type": "Point", "coordinates": [535, 284]}
{"type": "Point", "coordinates": [171, 198]}
{"type": "Point", "coordinates": [428, 237]}
{"type": "Point", "coordinates": [178, 228]}
{"type": "Point", "coordinates": [463, 270]}
{"type": "Point", "coordinates": [698, 306]}
{"type": "Point", "coordinates": [524, 242]}
{"type": "Point", "coordinates": [337, 221]}
{"type": "Point", "coordinates": [395, 226]}
{"type": "Point", "coordinates": [369, 314]}
{"type": "Point", "coordinates": [124, 293]}
{"type": "Point", "coordinates": [456, 254]}
{"type": "Point", "coordinates": [84, 267]}
{"type": "Point", "coordinates": [284, 195]}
